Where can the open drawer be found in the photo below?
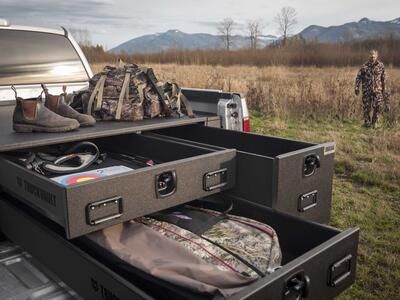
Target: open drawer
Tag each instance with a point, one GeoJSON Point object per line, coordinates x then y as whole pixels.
{"type": "Point", "coordinates": [182, 173]}
{"type": "Point", "coordinates": [322, 259]}
{"type": "Point", "coordinates": [291, 176]}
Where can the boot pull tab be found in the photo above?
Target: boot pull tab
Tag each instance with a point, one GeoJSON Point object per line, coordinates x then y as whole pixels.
{"type": "Point", "coordinates": [15, 91]}
{"type": "Point", "coordinates": [45, 89]}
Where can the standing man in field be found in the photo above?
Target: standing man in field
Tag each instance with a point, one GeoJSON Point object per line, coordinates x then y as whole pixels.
{"type": "Point", "coordinates": [372, 78]}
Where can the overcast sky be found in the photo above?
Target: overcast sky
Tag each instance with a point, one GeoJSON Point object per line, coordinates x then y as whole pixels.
{"type": "Point", "coordinates": [112, 22]}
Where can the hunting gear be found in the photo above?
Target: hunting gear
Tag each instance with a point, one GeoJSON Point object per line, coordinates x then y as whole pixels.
{"type": "Point", "coordinates": [130, 93]}
{"type": "Point", "coordinates": [203, 250]}
{"type": "Point", "coordinates": [371, 77]}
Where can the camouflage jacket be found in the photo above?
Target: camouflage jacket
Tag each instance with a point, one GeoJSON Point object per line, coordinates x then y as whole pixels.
{"type": "Point", "coordinates": [372, 78]}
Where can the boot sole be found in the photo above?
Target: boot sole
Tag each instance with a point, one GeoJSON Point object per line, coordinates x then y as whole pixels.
{"type": "Point", "coordinates": [87, 124]}
{"type": "Point", "coordinates": [35, 128]}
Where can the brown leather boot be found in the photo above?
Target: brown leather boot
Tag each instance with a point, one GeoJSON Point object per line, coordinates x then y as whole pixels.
{"type": "Point", "coordinates": [58, 105]}
{"type": "Point", "coordinates": [31, 115]}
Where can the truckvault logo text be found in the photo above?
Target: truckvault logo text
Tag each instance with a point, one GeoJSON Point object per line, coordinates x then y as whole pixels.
{"type": "Point", "coordinates": [37, 191]}
{"type": "Point", "coordinates": [102, 291]}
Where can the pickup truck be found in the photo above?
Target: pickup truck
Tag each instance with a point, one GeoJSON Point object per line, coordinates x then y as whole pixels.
{"type": "Point", "coordinates": [285, 183]}
{"type": "Point", "coordinates": [31, 55]}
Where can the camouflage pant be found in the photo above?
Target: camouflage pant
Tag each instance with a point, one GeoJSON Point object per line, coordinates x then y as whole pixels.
{"type": "Point", "coordinates": [372, 103]}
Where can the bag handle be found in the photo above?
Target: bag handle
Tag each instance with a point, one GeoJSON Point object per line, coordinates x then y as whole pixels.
{"type": "Point", "coordinates": [124, 94]}
{"type": "Point", "coordinates": [97, 94]}
{"type": "Point", "coordinates": [15, 91]}
{"type": "Point", "coordinates": [186, 102]}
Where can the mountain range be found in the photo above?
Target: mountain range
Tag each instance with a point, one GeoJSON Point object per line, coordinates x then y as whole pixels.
{"type": "Point", "coordinates": [176, 39]}
{"type": "Point", "coordinates": [361, 30]}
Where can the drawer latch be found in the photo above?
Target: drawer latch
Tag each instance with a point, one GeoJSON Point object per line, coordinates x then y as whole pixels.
{"type": "Point", "coordinates": [296, 287]}
{"type": "Point", "coordinates": [166, 184]}
{"type": "Point", "coordinates": [311, 163]}
{"type": "Point", "coordinates": [215, 179]}
{"type": "Point", "coordinates": [339, 271]}
{"type": "Point", "coordinates": [104, 210]}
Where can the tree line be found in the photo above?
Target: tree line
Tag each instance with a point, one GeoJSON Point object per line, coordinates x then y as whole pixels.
{"type": "Point", "coordinates": [285, 19]}
{"type": "Point", "coordinates": [297, 52]}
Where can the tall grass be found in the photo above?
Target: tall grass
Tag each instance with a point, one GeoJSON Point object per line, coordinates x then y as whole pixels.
{"type": "Point", "coordinates": [285, 92]}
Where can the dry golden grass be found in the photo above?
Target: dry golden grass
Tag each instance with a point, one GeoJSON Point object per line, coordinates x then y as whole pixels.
{"type": "Point", "coordinates": [284, 92]}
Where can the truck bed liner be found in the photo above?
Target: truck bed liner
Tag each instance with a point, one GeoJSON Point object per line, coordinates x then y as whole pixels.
{"type": "Point", "coordinates": [22, 277]}
{"type": "Point", "coordinates": [9, 140]}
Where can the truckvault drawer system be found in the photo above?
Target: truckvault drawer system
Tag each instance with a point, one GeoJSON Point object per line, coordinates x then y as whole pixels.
{"type": "Point", "coordinates": [291, 176]}
{"type": "Point", "coordinates": [184, 173]}
{"type": "Point", "coordinates": [319, 262]}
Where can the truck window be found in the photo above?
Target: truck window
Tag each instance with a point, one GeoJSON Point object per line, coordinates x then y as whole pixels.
{"type": "Point", "coordinates": [28, 57]}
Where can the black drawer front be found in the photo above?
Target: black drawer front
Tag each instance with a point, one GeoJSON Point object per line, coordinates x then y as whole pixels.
{"type": "Point", "coordinates": [86, 207]}
{"type": "Point", "coordinates": [272, 171]}
{"type": "Point", "coordinates": [322, 256]}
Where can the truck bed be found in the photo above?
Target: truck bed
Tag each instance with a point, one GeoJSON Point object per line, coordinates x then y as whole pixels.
{"type": "Point", "coordinates": [9, 140]}
{"type": "Point", "coordinates": [22, 277]}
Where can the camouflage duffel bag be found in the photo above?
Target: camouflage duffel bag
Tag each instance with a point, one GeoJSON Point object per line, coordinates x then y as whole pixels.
{"type": "Point", "coordinates": [201, 250]}
{"type": "Point", "coordinates": [130, 93]}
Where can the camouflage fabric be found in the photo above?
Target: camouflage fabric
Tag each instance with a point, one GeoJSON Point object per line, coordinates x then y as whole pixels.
{"type": "Point", "coordinates": [199, 246]}
{"type": "Point", "coordinates": [233, 243]}
{"type": "Point", "coordinates": [141, 101]}
{"type": "Point", "coordinates": [371, 77]}
{"type": "Point", "coordinates": [256, 242]}
{"type": "Point", "coordinates": [133, 246]}
{"type": "Point", "coordinates": [130, 93]}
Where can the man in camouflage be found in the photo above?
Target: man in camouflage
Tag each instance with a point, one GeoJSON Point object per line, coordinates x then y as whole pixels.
{"type": "Point", "coordinates": [372, 78]}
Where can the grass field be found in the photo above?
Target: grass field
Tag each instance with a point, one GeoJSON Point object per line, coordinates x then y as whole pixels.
{"type": "Point", "coordinates": [285, 92]}
{"type": "Point", "coordinates": [317, 105]}
{"type": "Point", "coordinates": [366, 195]}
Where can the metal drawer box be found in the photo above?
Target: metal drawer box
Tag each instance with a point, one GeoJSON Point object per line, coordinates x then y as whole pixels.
{"type": "Point", "coordinates": [291, 176]}
{"type": "Point", "coordinates": [89, 206]}
{"type": "Point", "coordinates": [311, 254]}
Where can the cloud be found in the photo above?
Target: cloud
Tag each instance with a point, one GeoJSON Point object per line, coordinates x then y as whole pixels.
{"type": "Point", "coordinates": [61, 11]}
{"type": "Point", "coordinates": [111, 22]}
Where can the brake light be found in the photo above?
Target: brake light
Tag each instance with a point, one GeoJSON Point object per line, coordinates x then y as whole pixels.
{"type": "Point", "coordinates": [246, 124]}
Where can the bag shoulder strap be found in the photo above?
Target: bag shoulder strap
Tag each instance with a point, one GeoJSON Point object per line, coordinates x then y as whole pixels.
{"type": "Point", "coordinates": [165, 104]}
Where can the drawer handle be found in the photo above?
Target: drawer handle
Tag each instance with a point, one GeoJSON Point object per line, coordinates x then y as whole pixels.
{"type": "Point", "coordinates": [339, 271]}
{"type": "Point", "coordinates": [215, 179]}
{"type": "Point", "coordinates": [104, 210]}
{"type": "Point", "coordinates": [307, 201]}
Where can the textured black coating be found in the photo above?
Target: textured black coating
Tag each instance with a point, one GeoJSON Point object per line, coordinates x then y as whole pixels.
{"type": "Point", "coordinates": [269, 169]}
{"type": "Point", "coordinates": [9, 140]}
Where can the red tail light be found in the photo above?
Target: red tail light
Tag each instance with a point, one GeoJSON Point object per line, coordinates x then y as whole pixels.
{"type": "Point", "coordinates": [246, 124]}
